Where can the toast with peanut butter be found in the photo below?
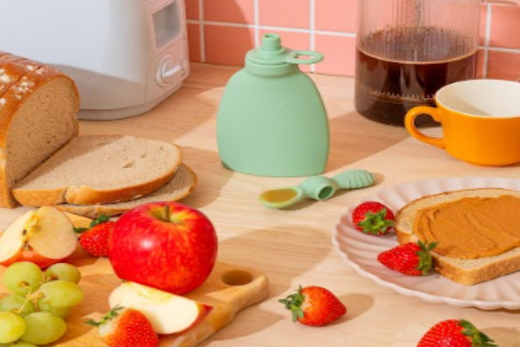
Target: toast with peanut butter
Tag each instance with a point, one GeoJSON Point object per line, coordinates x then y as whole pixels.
{"type": "Point", "coordinates": [477, 232]}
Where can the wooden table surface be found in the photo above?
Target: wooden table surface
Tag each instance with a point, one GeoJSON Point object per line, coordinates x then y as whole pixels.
{"type": "Point", "coordinates": [294, 246]}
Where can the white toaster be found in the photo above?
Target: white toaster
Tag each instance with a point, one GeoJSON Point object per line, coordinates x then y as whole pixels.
{"type": "Point", "coordinates": [126, 56]}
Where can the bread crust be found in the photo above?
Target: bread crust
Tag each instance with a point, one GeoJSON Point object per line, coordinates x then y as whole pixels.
{"type": "Point", "coordinates": [10, 103]}
{"type": "Point", "coordinates": [94, 211]}
{"type": "Point", "coordinates": [493, 267]}
{"type": "Point", "coordinates": [12, 69]}
{"type": "Point", "coordinates": [84, 195]}
{"type": "Point", "coordinates": [477, 275]}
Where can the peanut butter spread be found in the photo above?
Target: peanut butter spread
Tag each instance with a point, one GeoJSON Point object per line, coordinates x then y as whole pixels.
{"type": "Point", "coordinates": [471, 228]}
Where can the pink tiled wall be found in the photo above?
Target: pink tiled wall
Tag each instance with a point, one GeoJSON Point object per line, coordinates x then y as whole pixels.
{"type": "Point", "coordinates": [222, 31]}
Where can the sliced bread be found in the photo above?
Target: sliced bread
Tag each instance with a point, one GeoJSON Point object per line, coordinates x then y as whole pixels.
{"type": "Point", "coordinates": [463, 271]}
{"type": "Point", "coordinates": [37, 117]}
{"type": "Point", "coordinates": [100, 169]}
{"type": "Point", "coordinates": [180, 186]}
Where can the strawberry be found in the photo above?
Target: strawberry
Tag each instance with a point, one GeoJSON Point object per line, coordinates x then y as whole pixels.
{"type": "Point", "coordinates": [412, 259]}
{"type": "Point", "coordinates": [455, 333]}
{"type": "Point", "coordinates": [373, 218]}
{"type": "Point", "coordinates": [123, 327]}
{"type": "Point", "coordinates": [314, 306]}
{"type": "Point", "coordinates": [94, 239]}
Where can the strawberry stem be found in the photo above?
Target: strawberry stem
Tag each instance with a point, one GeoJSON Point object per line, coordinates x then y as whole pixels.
{"type": "Point", "coordinates": [478, 338]}
{"type": "Point", "coordinates": [113, 313]}
{"type": "Point", "coordinates": [376, 223]}
{"type": "Point", "coordinates": [99, 220]}
{"type": "Point", "coordinates": [293, 303]}
{"type": "Point", "coordinates": [425, 257]}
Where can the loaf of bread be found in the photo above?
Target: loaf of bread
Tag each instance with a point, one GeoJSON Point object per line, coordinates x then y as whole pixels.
{"type": "Point", "coordinates": [463, 271]}
{"type": "Point", "coordinates": [38, 107]}
{"type": "Point", "coordinates": [43, 161]}
{"type": "Point", "coordinates": [180, 186]}
{"type": "Point", "coordinates": [100, 169]}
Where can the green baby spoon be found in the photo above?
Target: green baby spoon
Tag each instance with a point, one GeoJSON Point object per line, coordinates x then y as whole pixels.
{"type": "Point", "coordinates": [318, 188]}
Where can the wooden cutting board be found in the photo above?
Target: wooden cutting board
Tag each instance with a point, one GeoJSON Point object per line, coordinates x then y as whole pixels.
{"type": "Point", "coordinates": [229, 289]}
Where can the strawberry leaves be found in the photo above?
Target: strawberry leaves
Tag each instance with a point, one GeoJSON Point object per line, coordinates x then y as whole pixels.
{"type": "Point", "coordinates": [478, 338]}
{"type": "Point", "coordinates": [376, 223]}
{"type": "Point", "coordinates": [425, 257]}
{"type": "Point", "coordinates": [294, 303]}
{"type": "Point", "coordinates": [100, 220]}
{"type": "Point", "coordinates": [113, 313]}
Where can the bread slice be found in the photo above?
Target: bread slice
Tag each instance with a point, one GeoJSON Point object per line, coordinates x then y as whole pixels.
{"type": "Point", "coordinates": [463, 271]}
{"type": "Point", "coordinates": [37, 117]}
{"type": "Point", "coordinates": [180, 186]}
{"type": "Point", "coordinates": [100, 169]}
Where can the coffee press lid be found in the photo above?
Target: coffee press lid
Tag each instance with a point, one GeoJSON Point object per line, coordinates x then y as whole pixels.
{"type": "Point", "coordinates": [272, 53]}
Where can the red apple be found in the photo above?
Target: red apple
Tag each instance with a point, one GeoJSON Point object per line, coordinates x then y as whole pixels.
{"type": "Point", "coordinates": [45, 236]}
{"type": "Point", "coordinates": [164, 245]}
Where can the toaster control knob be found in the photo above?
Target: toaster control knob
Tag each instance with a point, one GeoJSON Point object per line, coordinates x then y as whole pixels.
{"type": "Point", "coordinates": [167, 71]}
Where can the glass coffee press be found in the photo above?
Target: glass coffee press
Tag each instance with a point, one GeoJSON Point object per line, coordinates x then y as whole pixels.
{"type": "Point", "coordinates": [408, 49]}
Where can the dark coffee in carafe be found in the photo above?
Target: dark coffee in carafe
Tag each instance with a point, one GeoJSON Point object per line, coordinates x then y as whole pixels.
{"type": "Point", "coordinates": [400, 68]}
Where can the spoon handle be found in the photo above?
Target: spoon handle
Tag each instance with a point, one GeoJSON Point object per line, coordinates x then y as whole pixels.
{"type": "Point", "coordinates": [354, 179]}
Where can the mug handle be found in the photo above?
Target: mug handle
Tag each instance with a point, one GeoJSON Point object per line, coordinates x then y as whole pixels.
{"type": "Point", "coordinates": [409, 122]}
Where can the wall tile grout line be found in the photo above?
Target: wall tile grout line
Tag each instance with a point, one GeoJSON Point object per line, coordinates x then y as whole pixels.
{"type": "Point", "coordinates": [487, 39]}
{"type": "Point", "coordinates": [500, 49]}
{"type": "Point", "coordinates": [257, 22]}
{"type": "Point", "coordinates": [504, 49]}
{"type": "Point", "coordinates": [202, 33]}
{"type": "Point", "coordinates": [265, 27]}
{"type": "Point", "coordinates": [312, 26]}
{"type": "Point", "coordinates": [227, 24]}
{"type": "Point", "coordinates": [335, 33]}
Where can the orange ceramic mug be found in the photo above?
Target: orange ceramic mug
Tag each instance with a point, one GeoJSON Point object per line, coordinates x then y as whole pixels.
{"type": "Point", "coordinates": [480, 120]}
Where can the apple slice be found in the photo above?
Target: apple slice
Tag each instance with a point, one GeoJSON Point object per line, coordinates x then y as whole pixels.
{"type": "Point", "coordinates": [44, 237]}
{"type": "Point", "coordinates": [168, 313]}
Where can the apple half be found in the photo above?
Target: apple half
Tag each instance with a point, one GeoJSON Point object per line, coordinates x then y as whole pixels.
{"type": "Point", "coordinates": [168, 313]}
{"type": "Point", "coordinates": [44, 236]}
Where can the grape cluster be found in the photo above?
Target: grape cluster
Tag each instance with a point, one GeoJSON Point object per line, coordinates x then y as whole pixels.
{"type": "Point", "coordinates": [34, 312]}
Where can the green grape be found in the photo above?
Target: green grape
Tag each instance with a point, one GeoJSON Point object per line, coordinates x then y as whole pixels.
{"type": "Point", "coordinates": [20, 278]}
{"type": "Point", "coordinates": [61, 312]}
{"type": "Point", "coordinates": [43, 328]}
{"type": "Point", "coordinates": [61, 293]}
{"type": "Point", "coordinates": [14, 303]}
{"type": "Point", "coordinates": [63, 271]}
{"type": "Point", "coordinates": [12, 327]}
{"type": "Point", "coordinates": [23, 344]}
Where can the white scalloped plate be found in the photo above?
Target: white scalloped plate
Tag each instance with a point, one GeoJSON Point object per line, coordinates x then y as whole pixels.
{"type": "Point", "coordinates": [360, 250]}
